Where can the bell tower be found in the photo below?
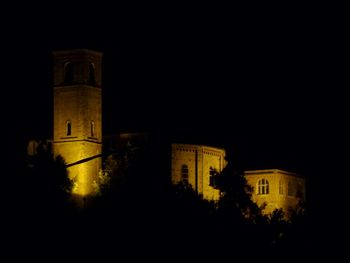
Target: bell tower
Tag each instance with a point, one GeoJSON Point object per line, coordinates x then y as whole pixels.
{"type": "Point", "coordinates": [77, 130]}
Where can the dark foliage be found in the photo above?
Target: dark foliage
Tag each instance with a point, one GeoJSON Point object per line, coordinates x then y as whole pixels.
{"type": "Point", "coordinates": [141, 211]}
{"type": "Point", "coordinates": [47, 187]}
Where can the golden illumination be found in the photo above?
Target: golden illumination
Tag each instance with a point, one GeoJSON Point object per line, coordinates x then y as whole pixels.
{"type": "Point", "coordinates": [84, 175]}
{"type": "Point", "coordinates": [277, 189]}
{"type": "Point", "coordinates": [77, 101]}
{"type": "Point", "coordinates": [198, 161]}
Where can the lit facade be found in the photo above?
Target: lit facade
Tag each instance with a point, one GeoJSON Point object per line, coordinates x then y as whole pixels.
{"type": "Point", "coordinates": [77, 135]}
{"type": "Point", "coordinates": [77, 131]}
{"type": "Point", "coordinates": [193, 163]}
{"type": "Point", "coordinates": [277, 188]}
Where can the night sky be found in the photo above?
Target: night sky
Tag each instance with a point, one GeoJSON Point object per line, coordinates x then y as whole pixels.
{"type": "Point", "coordinates": [254, 81]}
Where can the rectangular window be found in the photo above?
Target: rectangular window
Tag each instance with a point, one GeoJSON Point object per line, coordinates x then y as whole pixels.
{"type": "Point", "coordinates": [68, 128]}
{"type": "Point", "coordinates": [92, 129]}
{"type": "Point", "coordinates": [281, 187]}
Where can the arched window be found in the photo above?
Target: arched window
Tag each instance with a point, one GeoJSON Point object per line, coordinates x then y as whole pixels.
{"type": "Point", "coordinates": [92, 77]}
{"type": "Point", "coordinates": [184, 172]}
{"type": "Point", "coordinates": [68, 128]}
{"type": "Point", "coordinates": [263, 187]}
{"type": "Point", "coordinates": [68, 73]}
{"type": "Point", "coordinates": [92, 129]}
{"type": "Point", "coordinates": [281, 190]}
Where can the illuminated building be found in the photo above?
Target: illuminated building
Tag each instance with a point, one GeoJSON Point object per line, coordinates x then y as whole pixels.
{"type": "Point", "coordinates": [77, 137]}
{"type": "Point", "coordinates": [77, 131]}
{"type": "Point", "coordinates": [276, 188]}
{"type": "Point", "coordinates": [193, 164]}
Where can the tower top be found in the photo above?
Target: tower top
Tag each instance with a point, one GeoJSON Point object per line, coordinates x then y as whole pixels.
{"type": "Point", "coordinates": [77, 67]}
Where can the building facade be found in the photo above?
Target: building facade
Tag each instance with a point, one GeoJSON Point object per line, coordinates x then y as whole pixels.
{"type": "Point", "coordinates": [77, 131]}
{"type": "Point", "coordinates": [277, 189]}
{"type": "Point", "coordinates": [77, 137]}
{"type": "Point", "coordinates": [193, 164]}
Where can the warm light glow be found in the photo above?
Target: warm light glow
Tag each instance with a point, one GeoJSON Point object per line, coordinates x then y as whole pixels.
{"type": "Point", "coordinates": [193, 164]}
{"type": "Point", "coordinates": [83, 174]}
{"type": "Point", "coordinates": [78, 116]}
{"type": "Point", "coordinates": [197, 161]}
{"type": "Point", "coordinates": [276, 197]}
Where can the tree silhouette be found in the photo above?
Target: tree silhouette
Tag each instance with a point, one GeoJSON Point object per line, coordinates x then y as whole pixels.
{"type": "Point", "coordinates": [239, 216]}
{"type": "Point", "coordinates": [47, 185]}
{"type": "Point", "coordinates": [235, 195]}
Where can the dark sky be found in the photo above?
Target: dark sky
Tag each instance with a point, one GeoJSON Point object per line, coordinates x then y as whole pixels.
{"type": "Point", "coordinates": [253, 80]}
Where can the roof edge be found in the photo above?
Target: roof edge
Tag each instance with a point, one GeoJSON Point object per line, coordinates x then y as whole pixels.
{"type": "Point", "coordinates": [252, 172]}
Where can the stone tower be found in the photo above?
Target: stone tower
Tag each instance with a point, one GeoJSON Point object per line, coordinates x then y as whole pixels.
{"type": "Point", "coordinates": [77, 116]}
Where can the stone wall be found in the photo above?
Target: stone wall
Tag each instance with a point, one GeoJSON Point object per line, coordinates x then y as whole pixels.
{"type": "Point", "coordinates": [199, 160]}
{"type": "Point", "coordinates": [285, 189]}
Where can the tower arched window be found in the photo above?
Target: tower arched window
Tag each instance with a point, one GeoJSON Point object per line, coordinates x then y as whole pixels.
{"type": "Point", "coordinates": [263, 187]}
{"type": "Point", "coordinates": [184, 173]}
{"type": "Point", "coordinates": [281, 190]}
{"type": "Point", "coordinates": [92, 132]}
{"type": "Point", "coordinates": [92, 76]}
{"type": "Point", "coordinates": [68, 128]}
{"type": "Point", "coordinates": [68, 73]}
